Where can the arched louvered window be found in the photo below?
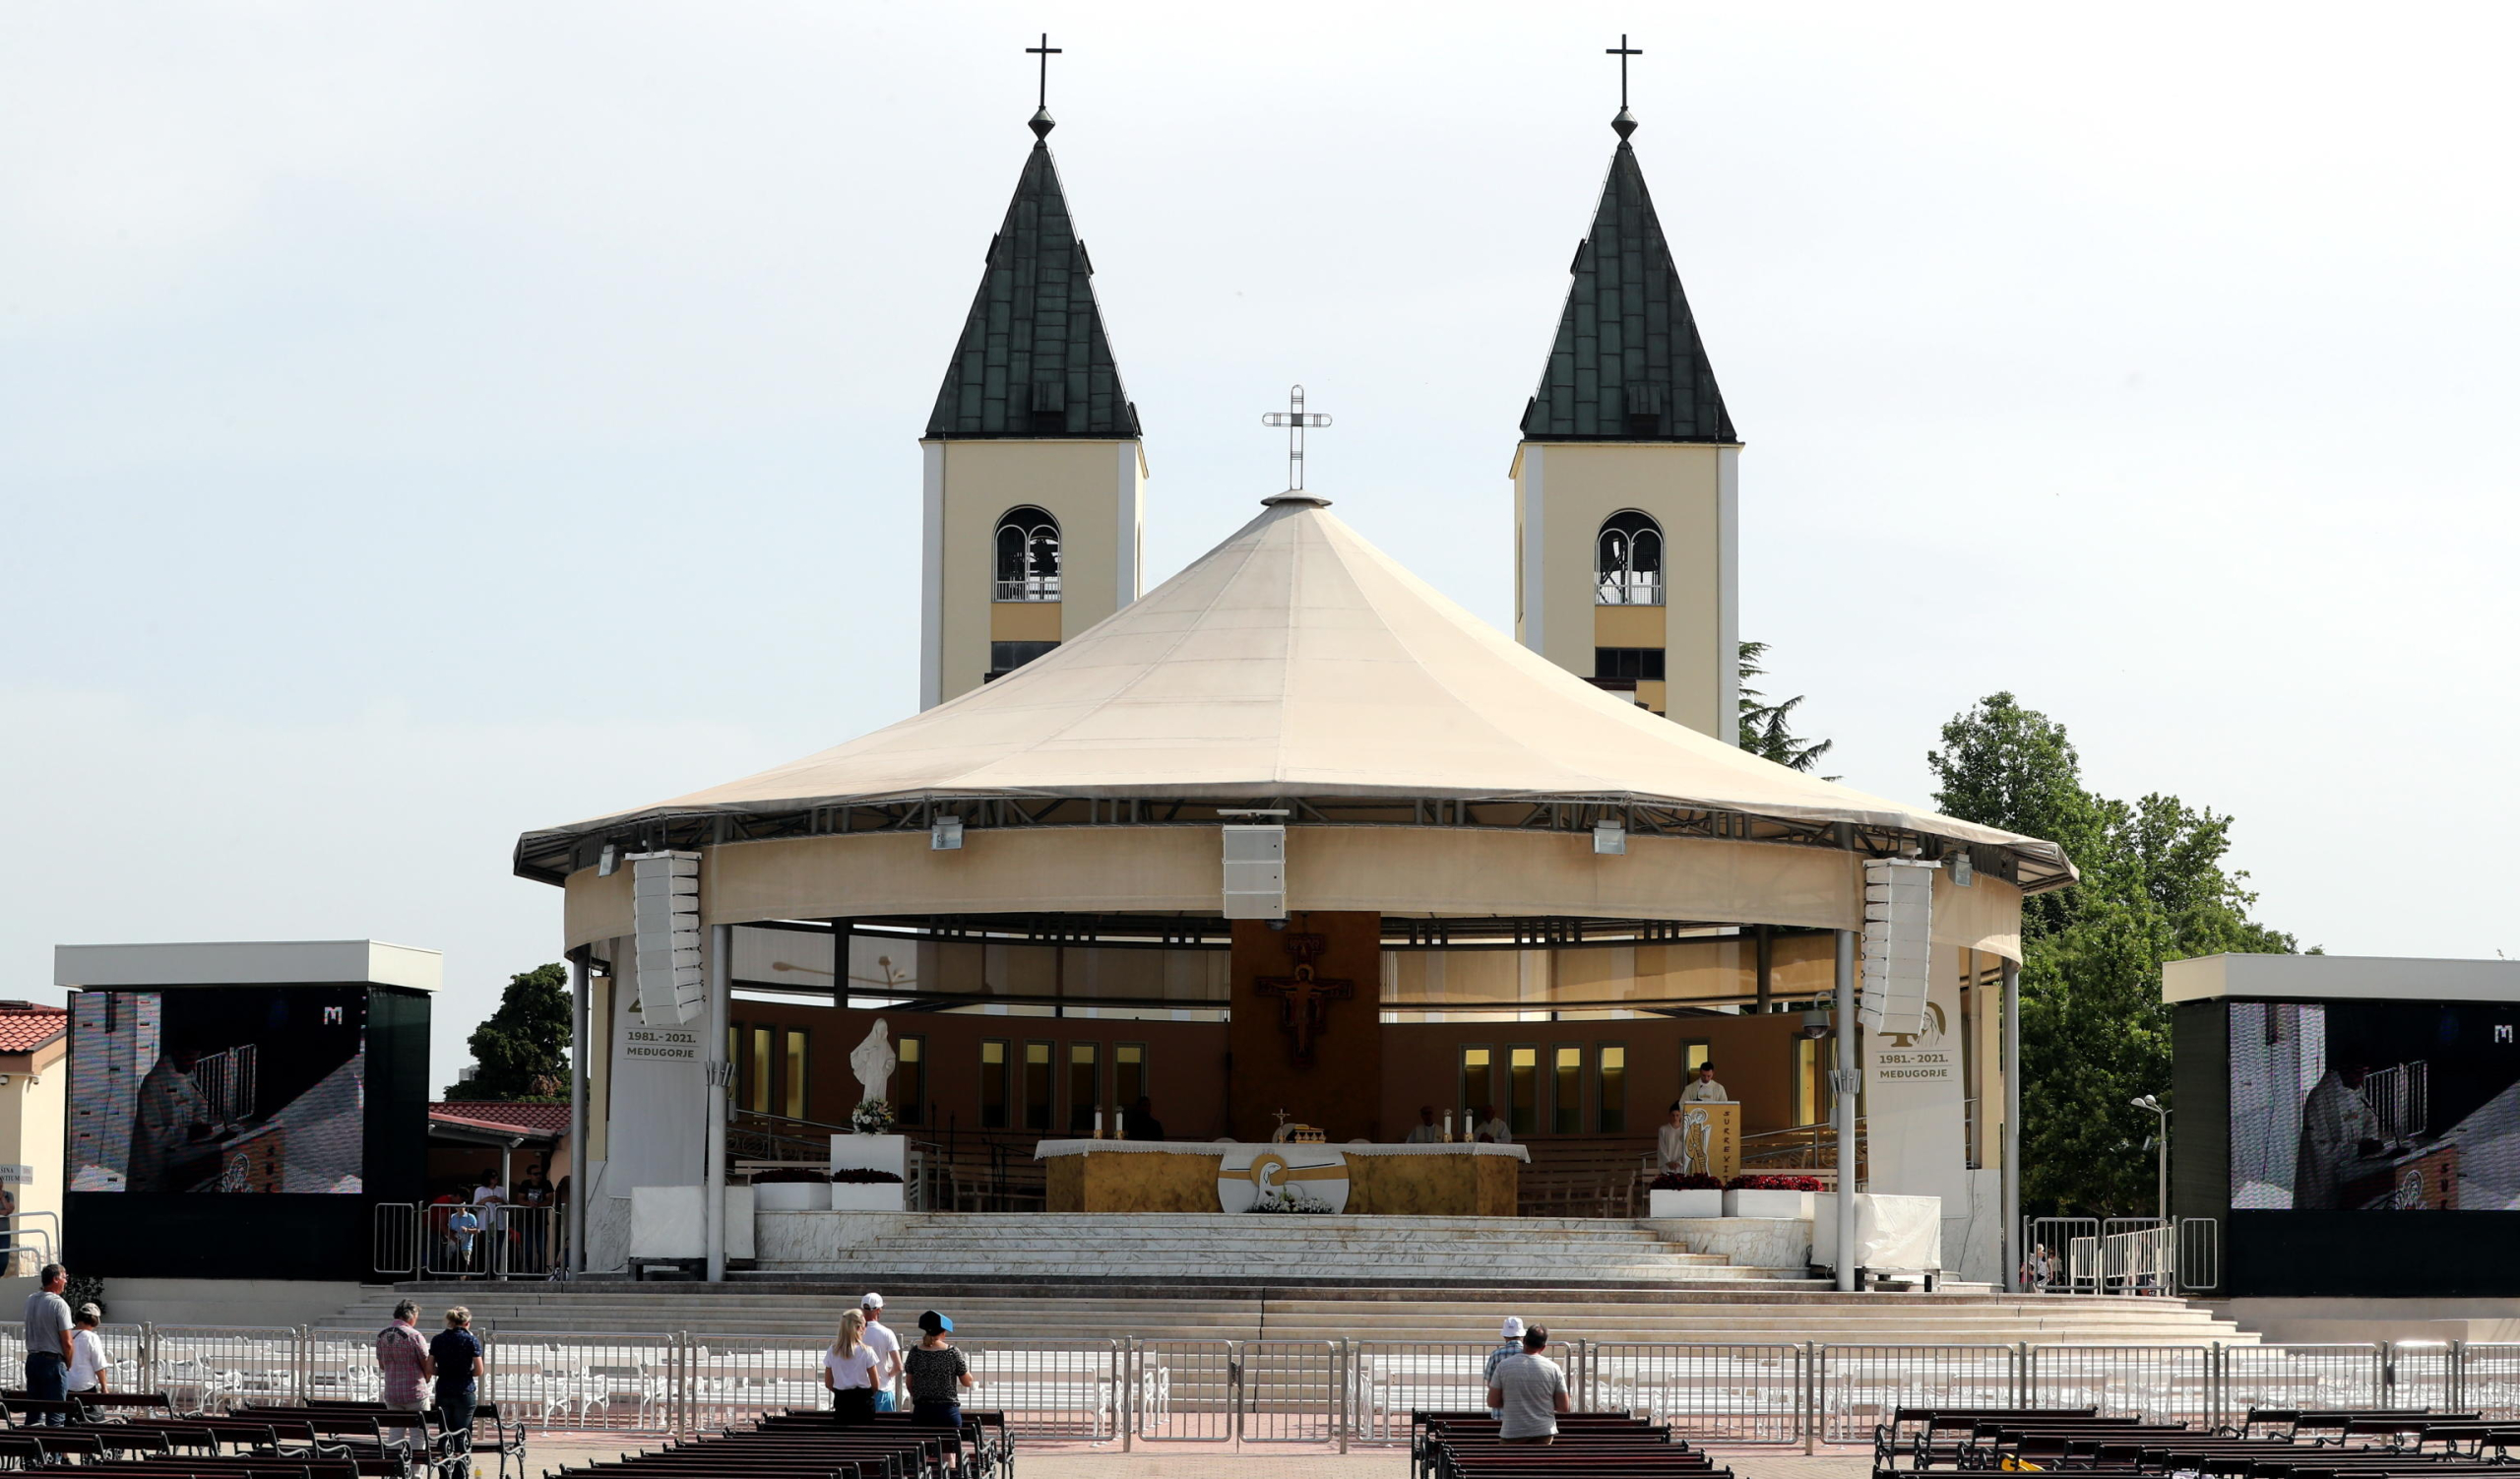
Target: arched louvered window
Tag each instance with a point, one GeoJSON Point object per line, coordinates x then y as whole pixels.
{"type": "Point", "coordinates": [1628, 561]}
{"type": "Point", "coordinates": [1028, 555]}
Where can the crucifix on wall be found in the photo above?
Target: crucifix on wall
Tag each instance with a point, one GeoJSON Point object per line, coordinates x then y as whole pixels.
{"type": "Point", "coordinates": [1305, 998]}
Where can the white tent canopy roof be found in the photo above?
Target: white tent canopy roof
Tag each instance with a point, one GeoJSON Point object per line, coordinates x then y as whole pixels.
{"type": "Point", "coordinates": [1296, 660]}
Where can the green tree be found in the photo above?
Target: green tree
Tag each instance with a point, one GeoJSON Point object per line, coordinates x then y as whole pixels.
{"type": "Point", "coordinates": [2094, 1033]}
{"type": "Point", "coordinates": [1767, 728]}
{"type": "Point", "coordinates": [521, 1051]}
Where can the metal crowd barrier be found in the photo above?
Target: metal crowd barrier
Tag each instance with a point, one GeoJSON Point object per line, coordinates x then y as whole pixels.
{"type": "Point", "coordinates": [1338, 1392]}
{"type": "Point", "coordinates": [454, 1240]}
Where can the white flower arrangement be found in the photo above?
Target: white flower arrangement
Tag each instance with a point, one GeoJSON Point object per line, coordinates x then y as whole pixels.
{"type": "Point", "coordinates": [1289, 1199]}
{"type": "Point", "coordinates": [873, 1116]}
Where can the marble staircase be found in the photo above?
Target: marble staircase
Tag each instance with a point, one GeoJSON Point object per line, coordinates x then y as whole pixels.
{"type": "Point", "coordinates": [1221, 1248]}
{"type": "Point", "coordinates": [1197, 1278]}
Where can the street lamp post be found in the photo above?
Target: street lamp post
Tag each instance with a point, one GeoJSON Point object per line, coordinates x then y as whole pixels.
{"type": "Point", "coordinates": [2161, 1142]}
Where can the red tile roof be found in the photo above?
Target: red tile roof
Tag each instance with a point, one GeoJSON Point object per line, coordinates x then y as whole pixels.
{"type": "Point", "coordinates": [25, 1027]}
{"type": "Point", "coordinates": [532, 1118]}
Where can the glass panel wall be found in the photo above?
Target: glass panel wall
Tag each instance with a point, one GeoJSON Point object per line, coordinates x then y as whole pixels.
{"type": "Point", "coordinates": [1128, 1075]}
{"type": "Point", "coordinates": [993, 1068]}
{"type": "Point", "coordinates": [910, 1081]}
{"type": "Point", "coordinates": [1566, 1091]}
{"type": "Point", "coordinates": [794, 1079]}
{"type": "Point", "coordinates": [1477, 1086]}
{"type": "Point", "coordinates": [1037, 1086]}
{"type": "Point", "coordinates": [1084, 1086]}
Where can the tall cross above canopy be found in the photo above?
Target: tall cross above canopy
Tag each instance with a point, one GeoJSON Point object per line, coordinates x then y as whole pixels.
{"type": "Point", "coordinates": [1625, 123]}
{"type": "Point", "coordinates": [1045, 51]}
{"type": "Point", "coordinates": [1043, 122]}
{"type": "Point", "coordinates": [1294, 419]}
{"type": "Point", "coordinates": [1623, 52]}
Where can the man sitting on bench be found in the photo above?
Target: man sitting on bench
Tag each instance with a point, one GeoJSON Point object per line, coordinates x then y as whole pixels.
{"type": "Point", "coordinates": [1529, 1390]}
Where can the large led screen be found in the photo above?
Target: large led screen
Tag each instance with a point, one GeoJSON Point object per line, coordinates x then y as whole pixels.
{"type": "Point", "coordinates": [218, 1089]}
{"type": "Point", "coordinates": [2348, 1106]}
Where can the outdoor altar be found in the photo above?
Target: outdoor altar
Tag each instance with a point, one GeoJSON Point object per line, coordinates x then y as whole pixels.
{"type": "Point", "coordinates": [1359, 1180]}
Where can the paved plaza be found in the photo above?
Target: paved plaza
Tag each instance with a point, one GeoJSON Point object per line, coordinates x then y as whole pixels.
{"type": "Point", "coordinates": [1063, 1460]}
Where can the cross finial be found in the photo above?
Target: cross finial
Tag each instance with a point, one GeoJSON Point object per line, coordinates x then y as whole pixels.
{"type": "Point", "coordinates": [1294, 419]}
{"type": "Point", "coordinates": [1043, 122]}
{"type": "Point", "coordinates": [1625, 123]}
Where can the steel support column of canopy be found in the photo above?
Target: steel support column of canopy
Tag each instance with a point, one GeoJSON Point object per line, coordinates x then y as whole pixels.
{"type": "Point", "coordinates": [713, 1189]}
{"type": "Point", "coordinates": [1843, 1081]}
{"type": "Point", "coordinates": [2015, 1248]}
{"type": "Point", "coordinates": [581, 1009]}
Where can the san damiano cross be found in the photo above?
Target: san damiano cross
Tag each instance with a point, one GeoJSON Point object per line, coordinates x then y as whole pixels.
{"type": "Point", "coordinates": [1303, 999]}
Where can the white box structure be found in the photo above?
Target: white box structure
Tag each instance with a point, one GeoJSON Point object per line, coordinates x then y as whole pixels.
{"type": "Point", "coordinates": [1898, 945]}
{"type": "Point", "coordinates": [1255, 872]}
{"type": "Point", "coordinates": [664, 913]}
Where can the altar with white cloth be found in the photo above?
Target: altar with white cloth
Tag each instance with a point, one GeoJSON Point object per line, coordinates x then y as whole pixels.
{"type": "Point", "coordinates": [1219, 1176]}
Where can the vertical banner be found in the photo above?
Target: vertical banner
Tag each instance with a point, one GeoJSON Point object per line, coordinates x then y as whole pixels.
{"type": "Point", "coordinates": [659, 1099]}
{"type": "Point", "coordinates": [1915, 1105]}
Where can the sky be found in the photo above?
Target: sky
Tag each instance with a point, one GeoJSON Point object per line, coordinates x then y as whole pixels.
{"type": "Point", "coordinates": [421, 424]}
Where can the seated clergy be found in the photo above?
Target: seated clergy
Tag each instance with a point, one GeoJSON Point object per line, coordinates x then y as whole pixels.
{"type": "Point", "coordinates": [1425, 1131]}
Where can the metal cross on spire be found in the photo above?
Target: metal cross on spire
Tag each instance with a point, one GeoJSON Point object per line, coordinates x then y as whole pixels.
{"type": "Point", "coordinates": [1045, 51]}
{"type": "Point", "coordinates": [1043, 122]}
{"type": "Point", "coordinates": [1294, 419]}
{"type": "Point", "coordinates": [1625, 122]}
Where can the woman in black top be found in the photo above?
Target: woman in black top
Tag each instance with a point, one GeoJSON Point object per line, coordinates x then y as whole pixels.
{"type": "Point", "coordinates": [938, 1375]}
{"type": "Point", "coordinates": [454, 1358]}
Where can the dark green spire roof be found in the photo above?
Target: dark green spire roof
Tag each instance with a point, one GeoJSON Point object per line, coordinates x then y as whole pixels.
{"type": "Point", "coordinates": [1034, 359]}
{"type": "Point", "coordinates": [1627, 364]}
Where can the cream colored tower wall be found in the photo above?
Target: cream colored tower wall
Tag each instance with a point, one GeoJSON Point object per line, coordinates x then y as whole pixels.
{"type": "Point", "coordinates": [34, 1107]}
{"type": "Point", "coordinates": [1096, 490]}
{"type": "Point", "coordinates": [1562, 493]}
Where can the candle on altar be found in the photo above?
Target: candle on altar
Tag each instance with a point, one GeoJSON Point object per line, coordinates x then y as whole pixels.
{"type": "Point", "coordinates": [1097, 1125]}
{"type": "Point", "coordinates": [1448, 1127]}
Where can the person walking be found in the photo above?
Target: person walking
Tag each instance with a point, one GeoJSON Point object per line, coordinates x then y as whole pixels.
{"type": "Point", "coordinates": [403, 1358]}
{"type": "Point", "coordinates": [87, 1352]}
{"type": "Point", "coordinates": [47, 1336]}
{"type": "Point", "coordinates": [454, 1358]}
{"type": "Point", "coordinates": [849, 1370]}
{"type": "Point", "coordinates": [886, 1347]}
{"type": "Point", "coordinates": [1528, 1391]}
{"type": "Point", "coordinates": [1512, 1336]}
{"type": "Point", "coordinates": [938, 1376]}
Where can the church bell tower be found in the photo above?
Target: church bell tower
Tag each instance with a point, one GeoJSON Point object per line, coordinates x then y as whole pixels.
{"type": "Point", "coordinates": [1032, 474]}
{"type": "Point", "coordinates": [1626, 534]}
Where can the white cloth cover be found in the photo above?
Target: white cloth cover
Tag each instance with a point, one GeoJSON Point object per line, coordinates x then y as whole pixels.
{"type": "Point", "coordinates": [1900, 1232]}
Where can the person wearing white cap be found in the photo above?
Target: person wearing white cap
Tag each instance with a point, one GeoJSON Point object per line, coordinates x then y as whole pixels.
{"type": "Point", "coordinates": [1512, 1335]}
{"type": "Point", "coordinates": [886, 1347]}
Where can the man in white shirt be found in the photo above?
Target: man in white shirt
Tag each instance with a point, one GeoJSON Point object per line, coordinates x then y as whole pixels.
{"type": "Point", "coordinates": [886, 1345]}
{"type": "Point", "coordinates": [87, 1362]}
{"type": "Point", "coordinates": [1425, 1131]}
{"type": "Point", "coordinates": [1510, 1345]}
{"type": "Point", "coordinates": [1705, 1090]}
{"type": "Point", "coordinates": [1492, 1127]}
{"type": "Point", "coordinates": [1529, 1390]}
